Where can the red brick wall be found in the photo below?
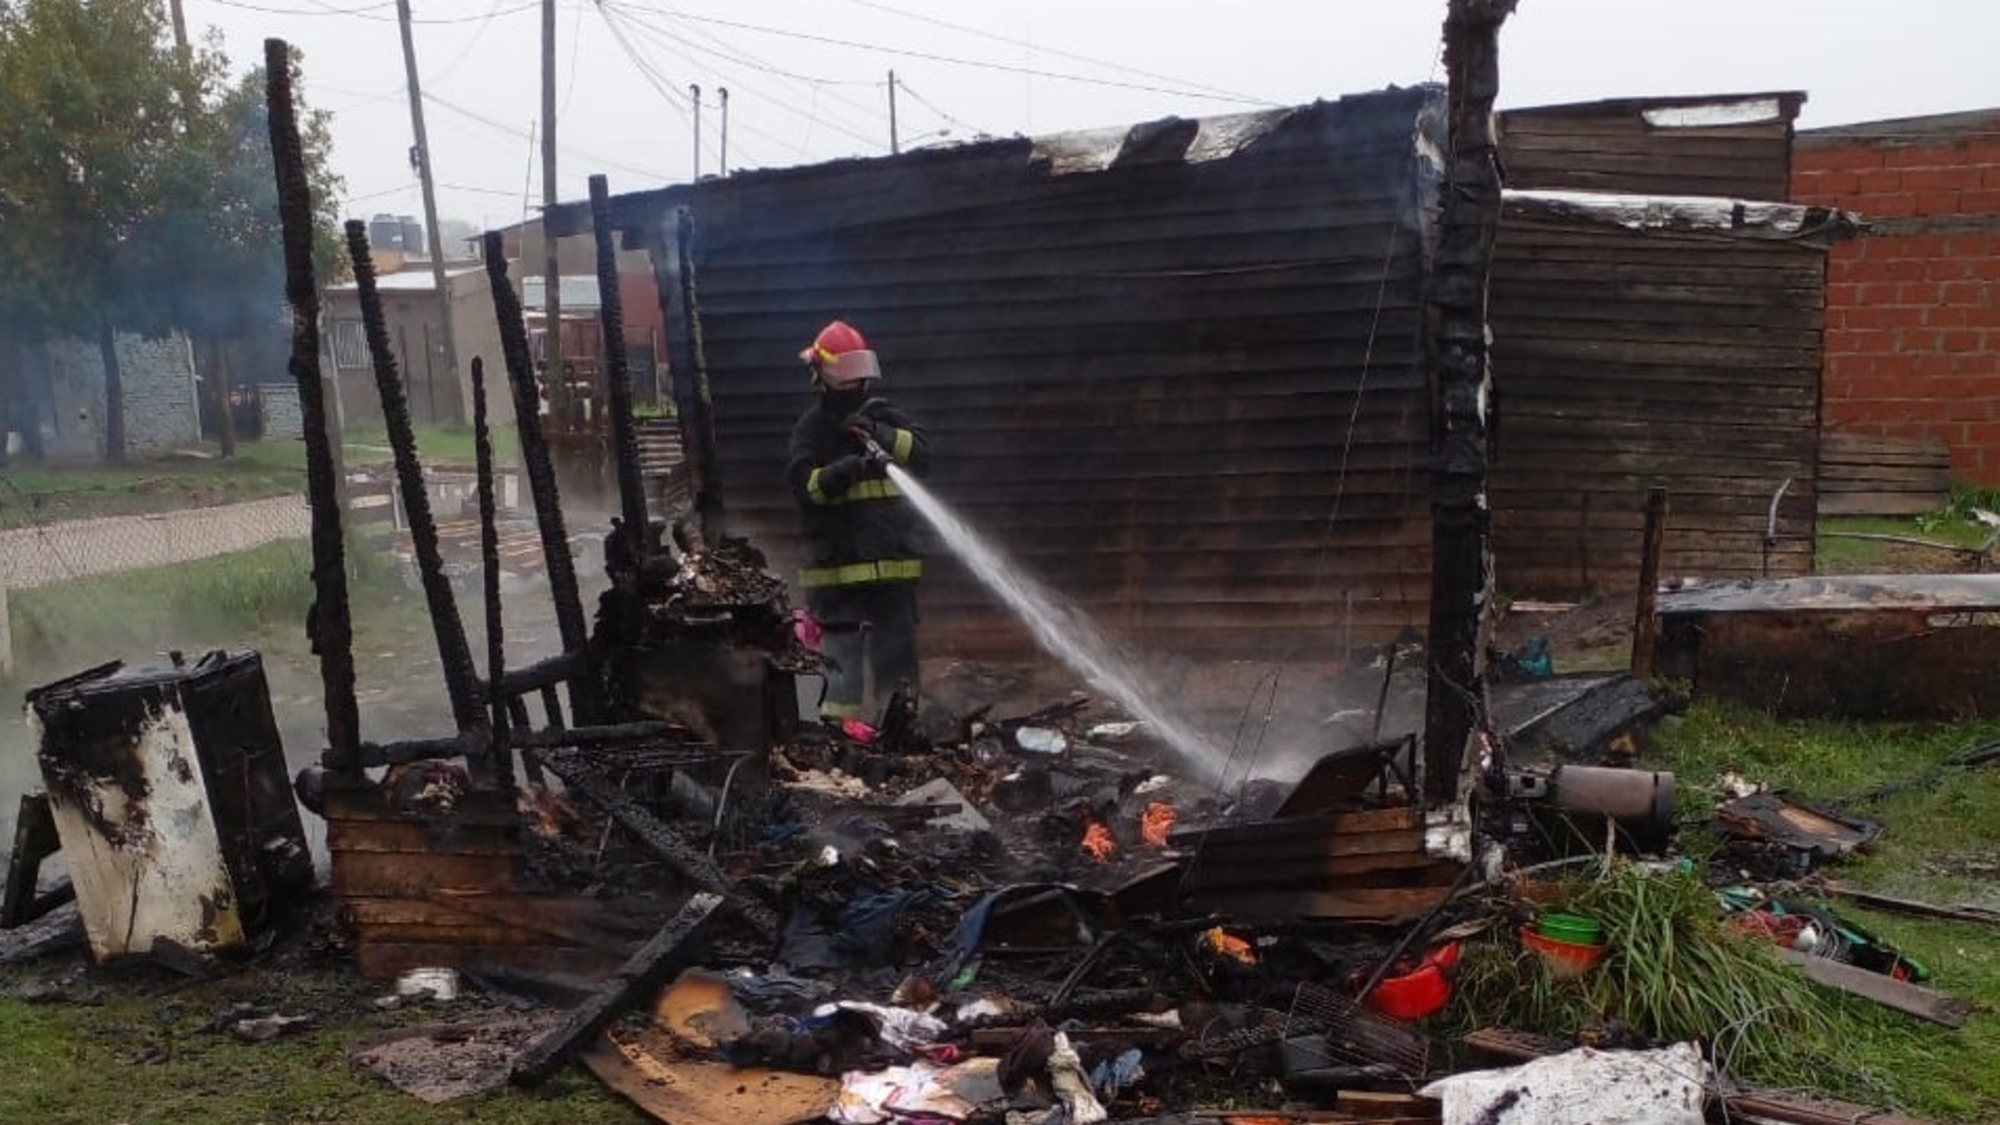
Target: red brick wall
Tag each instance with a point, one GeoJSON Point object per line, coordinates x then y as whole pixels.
{"type": "Point", "coordinates": [1912, 320]}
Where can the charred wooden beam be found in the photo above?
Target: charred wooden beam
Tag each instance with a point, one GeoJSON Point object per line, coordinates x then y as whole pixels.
{"type": "Point", "coordinates": [500, 753]}
{"type": "Point", "coordinates": [618, 374]}
{"type": "Point", "coordinates": [454, 653]}
{"type": "Point", "coordinates": [561, 568]}
{"type": "Point", "coordinates": [329, 628]}
{"type": "Point", "coordinates": [1461, 555]}
{"type": "Point", "coordinates": [674, 269]}
{"type": "Point", "coordinates": [1645, 615]}
{"type": "Point", "coordinates": [683, 857]}
{"type": "Point", "coordinates": [677, 946]}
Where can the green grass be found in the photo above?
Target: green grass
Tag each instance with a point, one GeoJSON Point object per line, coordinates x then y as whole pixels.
{"type": "Point", "coordinates": [259, 595]}
{"type": "Point", "coordinates": [1936, 843]}
{"type": "Point", "coordinates": [1835, 554]}
{"type": "Point", "coordinates": [437, 446]}
{"type": "Point", "coordinates": [143, 1057]}
{"type": "Point", "coordinates": [36, 494]}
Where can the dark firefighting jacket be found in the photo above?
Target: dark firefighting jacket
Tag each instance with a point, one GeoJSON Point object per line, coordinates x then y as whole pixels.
{"type": "Point", "coordinates": [865, 532]}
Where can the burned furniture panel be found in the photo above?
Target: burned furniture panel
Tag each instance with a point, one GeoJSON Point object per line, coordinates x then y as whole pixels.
{"type": "Point", "coordinates": [170, 795]}
{"type": "Point", "coordinates": [1876, 647]}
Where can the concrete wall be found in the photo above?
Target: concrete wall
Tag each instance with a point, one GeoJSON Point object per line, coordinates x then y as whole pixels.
{"type": "Point", "coordinates": [160, 408]}
{"type": "Point", "coordinates": [1912, 322]}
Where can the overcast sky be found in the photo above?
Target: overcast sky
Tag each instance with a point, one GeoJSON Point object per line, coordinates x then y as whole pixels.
{"type": "Point", "coordinates": [807, 78]}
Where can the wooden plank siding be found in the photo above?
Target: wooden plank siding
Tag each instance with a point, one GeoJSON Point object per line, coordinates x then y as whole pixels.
{"type": "Point", "coordinates": [1706, 385]}
{"type": "Point", "coordinates": [1185, 394]}
{"type": "Point", "coordinates": [1613, 146]}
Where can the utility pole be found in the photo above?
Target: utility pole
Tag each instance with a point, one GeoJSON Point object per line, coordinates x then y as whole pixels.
{"type": "Point", "coordinates": [722, 93]}
{"type": "Point", "coordinates": [694, 92]}
{"type": "Point", "coordinates": [431, 232]}
{"type": "Point", "coordinates": [895, 145]}
{"type": "Point", "coordinates": [552, 367]}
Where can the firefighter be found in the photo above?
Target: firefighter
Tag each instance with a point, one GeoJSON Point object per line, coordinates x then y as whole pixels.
{"type": "Point", "coordinates": [863, 548]}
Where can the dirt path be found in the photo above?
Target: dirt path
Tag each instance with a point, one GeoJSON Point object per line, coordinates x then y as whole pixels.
{"type": "Point", "coordinates": [58, 552]}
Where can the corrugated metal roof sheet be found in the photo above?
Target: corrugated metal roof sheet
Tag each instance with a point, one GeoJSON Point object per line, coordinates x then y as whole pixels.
{"type": "Point", "coordinates": [1187, 394]}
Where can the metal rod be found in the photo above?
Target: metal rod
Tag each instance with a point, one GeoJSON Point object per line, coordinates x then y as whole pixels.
{"type": "Point", "coordinates": [328, 625]}
{"type": "Point", "coordinates": [722, 95]}
{"type": "Point", "coordinates": [460, 677]}
{"type": "Point", "coordinates": [561, 568]}
{"type": "Point", "coordinates": [500, 750]}
{"type": "Point", "coordinates": [618, 375]}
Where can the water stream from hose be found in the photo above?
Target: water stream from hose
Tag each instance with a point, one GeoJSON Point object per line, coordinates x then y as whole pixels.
{"type": "Point", "coordinates": [1067, 634]}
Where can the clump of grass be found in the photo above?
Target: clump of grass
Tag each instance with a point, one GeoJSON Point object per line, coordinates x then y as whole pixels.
{"type": "Point", "coordinates": [1671, 972]}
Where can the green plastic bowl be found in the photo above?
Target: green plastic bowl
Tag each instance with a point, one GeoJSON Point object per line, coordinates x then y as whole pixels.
{"type": "Point", "coordinates": [1572, 928]}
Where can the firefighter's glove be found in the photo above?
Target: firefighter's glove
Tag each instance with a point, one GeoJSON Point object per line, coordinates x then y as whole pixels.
{"type": "Point", "coordinates": [866, 430]}
{"type": "Point", "coordinates": [839, 476]}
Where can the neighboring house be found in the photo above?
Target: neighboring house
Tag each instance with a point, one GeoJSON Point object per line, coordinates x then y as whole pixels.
{"type": "Point", "coordinates": [1180, 372]}
{"type": "Point", "coordinates": [161, 397]}
{"type": "Point", "coordinates": [1913, 324]}
{"type": "Point", "coordinates": [410, 313]}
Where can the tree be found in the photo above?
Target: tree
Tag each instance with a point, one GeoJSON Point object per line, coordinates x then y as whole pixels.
{"type": "Point", "coordinates": [226, 254]}
{"type": "Point", "coordinates": [137, 189]}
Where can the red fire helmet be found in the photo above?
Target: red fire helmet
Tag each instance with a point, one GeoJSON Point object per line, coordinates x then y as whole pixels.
{"type": "Point", "coordinates": [840, 357]}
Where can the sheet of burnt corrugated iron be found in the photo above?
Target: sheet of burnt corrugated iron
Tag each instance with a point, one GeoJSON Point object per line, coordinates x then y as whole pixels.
{"type": "Point", "coordinates": [1141, 382]}
{"type": "Point", "coordinates": [1736, 145]}
{"type": "Point", "coordinates": [1628, 359]}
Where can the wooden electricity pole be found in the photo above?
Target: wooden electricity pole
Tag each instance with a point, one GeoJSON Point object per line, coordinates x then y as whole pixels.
{"type": "Point", "coordinates": [432, 235]}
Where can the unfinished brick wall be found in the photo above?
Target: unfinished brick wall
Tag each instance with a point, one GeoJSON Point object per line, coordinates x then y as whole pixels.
{"type": "Point", "coordinates": [1912, 322]}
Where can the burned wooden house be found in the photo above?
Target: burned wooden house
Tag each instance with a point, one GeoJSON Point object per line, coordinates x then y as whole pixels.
{"type": "Point", "coordinates": [1179, 371]}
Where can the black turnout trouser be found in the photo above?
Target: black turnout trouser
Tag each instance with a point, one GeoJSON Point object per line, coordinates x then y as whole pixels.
{"type": "Point", "coordinates": [869, 628]}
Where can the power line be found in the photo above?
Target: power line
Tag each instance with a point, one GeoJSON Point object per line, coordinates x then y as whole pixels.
{"type": "Point", "coordinates": [1057, 51]}
{"type": "Point", "coordinates": [665, 86]}
{"type": "Point", "coordinates": [353, 199]}
{"type": "Point", "coordinates": [669, 43]}
{"type": "Point", "coordinates": [508, 192]}
{"type": "Point", "coordinates": [980, 64]}
{"type": "Point", "coordinates": [518, 134]}
{"type": "Point", "coordinates": [485, 23]}
{"type": "Point", "coordinates": [819, 86]}
{"type": "Point", "coordinates": [926, 103]}
{"type": "Point", "coordinates": [366, 13]}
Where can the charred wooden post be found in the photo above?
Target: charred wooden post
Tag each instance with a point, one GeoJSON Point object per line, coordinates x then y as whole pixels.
{"type": "Point", "coordinates": [693, 399]}
{"type": "Point", "coordinates": [677, 946]}
{"type": "Point", "coordinates": [460, 677]}
{"type": "Point", "coordinates": [1646, 611]}
{"type": "Point", "coordinates": [1461, 559]}
{"type": "Point", "coordinates": [328, 625]}
{"type": "Point", "coordinates": [561, 568]}
{"type": "Point", "coordinates": [618, 375]}
{"type": "Point", "coordinates": [501, 752]}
